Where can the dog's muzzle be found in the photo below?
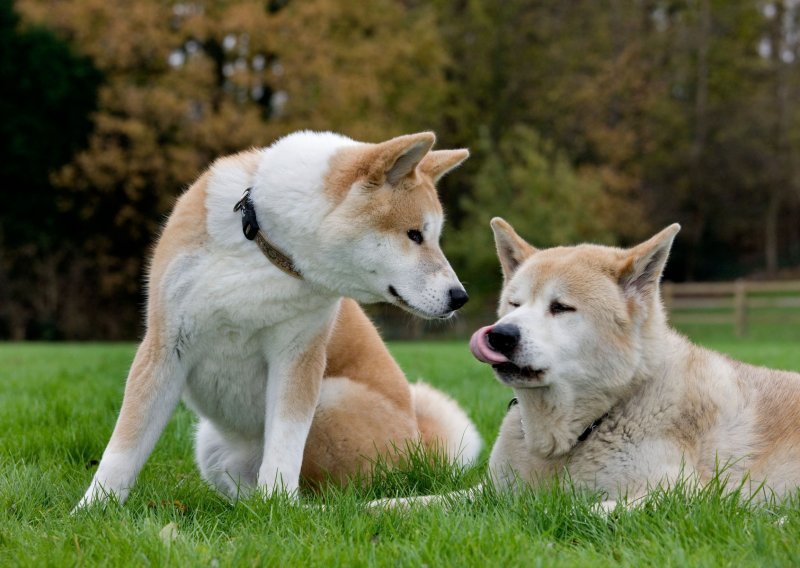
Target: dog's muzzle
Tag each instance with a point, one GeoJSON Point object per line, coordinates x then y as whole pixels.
{"type": "Point", "coordinates": [494, 345]}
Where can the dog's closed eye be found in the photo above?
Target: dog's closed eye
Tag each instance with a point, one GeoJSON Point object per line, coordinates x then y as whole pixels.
{"type": "Point", "coordinates": [557, 308]}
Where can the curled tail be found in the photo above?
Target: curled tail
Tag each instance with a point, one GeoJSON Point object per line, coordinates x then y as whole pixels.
{"type": "Point", "coordinates": [443, 424]}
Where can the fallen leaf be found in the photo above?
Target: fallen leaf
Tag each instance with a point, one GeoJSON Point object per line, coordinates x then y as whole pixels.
{"type": "Point", "coordinates": [168, 533]}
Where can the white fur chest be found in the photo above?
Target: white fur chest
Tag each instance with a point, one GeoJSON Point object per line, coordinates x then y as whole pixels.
{"type": "Point", "coordinates": [226, 311]}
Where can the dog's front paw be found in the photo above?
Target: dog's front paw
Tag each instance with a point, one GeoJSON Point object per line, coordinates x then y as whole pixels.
{"type": "Point", "coordinates": [274, 483]}
{"type": "Point", "coordinates": [98, 495]}
{"type": "Point", "coordinates": [270, 491]}
{"type": "Point", "coordinates": [604, 508]}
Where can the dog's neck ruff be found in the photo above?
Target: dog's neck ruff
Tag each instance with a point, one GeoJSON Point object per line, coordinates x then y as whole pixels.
{"type": "Point", "coordinates": [584, 435]}
{"type": "Point", "coordinates": [253, 232]}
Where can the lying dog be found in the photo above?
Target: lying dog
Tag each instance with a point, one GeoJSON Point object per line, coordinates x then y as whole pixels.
{"type": "Point", "coordinates": [244, 293]}
{"type": "Point", "coordinates": [607, 392]}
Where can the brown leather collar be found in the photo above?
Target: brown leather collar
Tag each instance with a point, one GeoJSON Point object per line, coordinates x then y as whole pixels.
{"type": "Point", "coordinates": [253, 232]}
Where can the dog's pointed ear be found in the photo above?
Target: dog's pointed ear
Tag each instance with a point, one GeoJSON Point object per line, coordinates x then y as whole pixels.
{"type": "Point", "coordinates": [440, 162]}
{"type": "Point", "coordinates": [643, 264]}
{"type": "Point", "coordinates": [512, 250]}
{"type": "Point", "coordinates": [393, 160]}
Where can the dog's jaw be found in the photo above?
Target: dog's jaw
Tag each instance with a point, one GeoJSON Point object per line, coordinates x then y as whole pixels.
{"type": "Point", "coordinates": [514, 376]}
{"type": "Point", "coordinates": [396, 299]}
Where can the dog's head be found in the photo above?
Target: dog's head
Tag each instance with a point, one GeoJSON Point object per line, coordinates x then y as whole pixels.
{"type": "Point", "coordinates": [572, 316]}
{"type": "Point", "coordinates": [383, 232]}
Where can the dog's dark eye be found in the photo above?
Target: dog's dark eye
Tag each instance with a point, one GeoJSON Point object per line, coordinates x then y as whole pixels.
{"type": "Point", "coordinates": [514, 304]}
{"type": "Point", "coordinates": [559, 308]}
{"type": "Point", "coordinates": [415, 236]}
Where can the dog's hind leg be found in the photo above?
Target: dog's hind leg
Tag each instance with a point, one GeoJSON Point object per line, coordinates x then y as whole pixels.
{"type": "Point", "coordinates": [353, 426]}
{"type": "Point", "coordinates": [229, 464]}
{"type": "Point", "coordinates": [154, 385]}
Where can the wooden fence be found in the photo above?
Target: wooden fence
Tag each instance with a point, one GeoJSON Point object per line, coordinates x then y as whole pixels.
{"type": "Point", "coordinates": [736, 303]}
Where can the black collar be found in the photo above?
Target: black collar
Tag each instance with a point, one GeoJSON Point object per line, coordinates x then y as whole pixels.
{"type": "Point", "coordinates": [252, 231]}
{"type": "Point", "coordinates": [585, 434]}
{"type": "Point", "coordinates": [592, 427]}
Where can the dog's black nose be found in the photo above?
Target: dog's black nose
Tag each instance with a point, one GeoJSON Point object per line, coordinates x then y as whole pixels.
{"type": "Point", "coordinates": [458, 297]}
{"type": "Point", "coordinates": [503, 338]}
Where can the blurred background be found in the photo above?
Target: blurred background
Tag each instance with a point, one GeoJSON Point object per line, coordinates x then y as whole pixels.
{"type": "Point", "coordinates": [600, 120]}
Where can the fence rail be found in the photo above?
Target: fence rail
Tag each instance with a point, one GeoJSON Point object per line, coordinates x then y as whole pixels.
{"type": "Point", "coordinates": [738, 303]}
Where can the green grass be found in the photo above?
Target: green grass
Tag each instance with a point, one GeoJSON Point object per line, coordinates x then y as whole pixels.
{"type": "Point", "coordinates": [58, 404]}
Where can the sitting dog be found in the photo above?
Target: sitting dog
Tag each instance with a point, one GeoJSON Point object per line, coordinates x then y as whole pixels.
{"type": "Point", "coordinates": [609, 394]}
{"type": "Point", "coordinates": [245, 315]}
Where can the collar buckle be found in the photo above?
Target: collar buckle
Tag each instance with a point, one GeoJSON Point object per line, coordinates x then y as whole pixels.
{"type": "Point", "coordinates": [250, 226]}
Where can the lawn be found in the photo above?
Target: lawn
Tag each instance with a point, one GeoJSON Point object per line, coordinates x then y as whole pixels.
{"type": "Point", "coordinates": [58, 403]}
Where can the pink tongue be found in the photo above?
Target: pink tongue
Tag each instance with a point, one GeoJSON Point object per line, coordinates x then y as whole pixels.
{"type": "Point", "coordinates": [479, 345]}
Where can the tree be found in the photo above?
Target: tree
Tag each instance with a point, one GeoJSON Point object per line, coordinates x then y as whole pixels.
{"type": "Point", "coordinates": [653, 112]}
{"type": "Point", "coordinates": [49, 92]}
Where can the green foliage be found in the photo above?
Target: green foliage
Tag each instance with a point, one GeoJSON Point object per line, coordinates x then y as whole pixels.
{"type": "Point", "coordinates": [60, 403]}
{"type": "Point", "coordinates": [533, 185]}
{"type": "Point", "coordinates": [673, 104]}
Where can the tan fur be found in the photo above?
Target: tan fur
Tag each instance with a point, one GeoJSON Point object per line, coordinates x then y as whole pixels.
{"type": "Point", "coordinates": [346, 439]}
{"type": "Point", "coordinates": [302, 391]}
{"type": "Point", "coordinates": [368, 162]}
{"type": "Point", "coordinates": [392, 207]}
{"type": "Point", "coordinates": [439, 162]}
{"type": "Point", "coordinates": [378, 415]}
{"type": "Point", "coordinates": [186, 229]}
{"type": "Point", "coordinates": [512, 250]}
{"type": "Point", "coordinates": [674, 408]}
{"type": "Point", "coordinates": [445, 436]}
{"type": "Point", "coordinates": [386, 209]}
{"type": "Point", "coordinates": [402, 210]}
{"type": "Point", "coordinates": [430, 430]}
{"type": "Point", "coordinates": [694, 417]}
{"type": "Point", "coordinates": [778, 419]}
{"type": "Point", "coordinates": [139, 390]}
{"type": "Point", "coordinates": [247, 160]}
{"type": "Point", "coordinates": [377, 418]}
{"type": "Point", "coordinates": [357, 351]}
{"type": "Point", "coordinates": [347, 166]}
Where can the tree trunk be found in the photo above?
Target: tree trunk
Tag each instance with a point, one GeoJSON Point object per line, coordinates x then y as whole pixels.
{"type": "Point", "coordinates": [793, 243]}
{"type": "Point", "coordinates": [771, 233]}
{"type": "Point", "coordinates": [781, 176]}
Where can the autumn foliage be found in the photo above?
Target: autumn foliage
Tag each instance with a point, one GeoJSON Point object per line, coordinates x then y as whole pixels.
{"type": "Point", "coordinates": [587, 120]}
